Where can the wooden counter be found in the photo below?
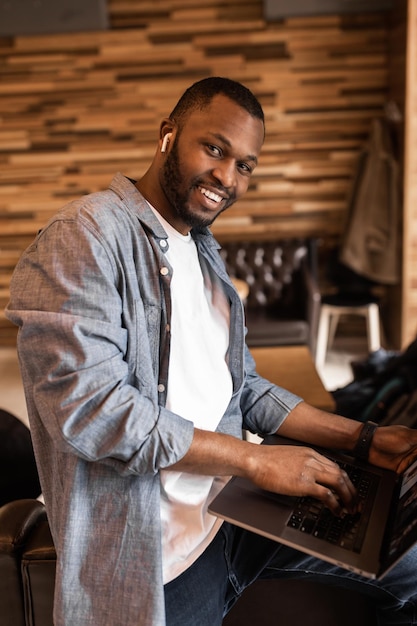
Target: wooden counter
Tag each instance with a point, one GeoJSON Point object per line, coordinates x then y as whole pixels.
{"type": "Point", "coordinates": [292, 367]}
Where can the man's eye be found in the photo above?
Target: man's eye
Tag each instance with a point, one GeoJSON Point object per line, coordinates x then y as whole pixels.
{"type": "Point", "coordinates": [245, 168]}
{"type": "Point", "coordinates": [214, 149]}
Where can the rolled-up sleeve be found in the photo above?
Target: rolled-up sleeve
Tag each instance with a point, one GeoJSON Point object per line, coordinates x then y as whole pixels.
{"type": "Point", "coordinates": [265, 406]}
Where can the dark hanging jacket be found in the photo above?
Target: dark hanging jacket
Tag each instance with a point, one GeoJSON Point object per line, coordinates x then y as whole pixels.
{"type": "Point", "coordinates": [371, 243]}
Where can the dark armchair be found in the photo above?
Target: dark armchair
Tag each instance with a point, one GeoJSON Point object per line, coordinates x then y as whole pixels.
{"type": "Point", "coordinates": [27, 565]}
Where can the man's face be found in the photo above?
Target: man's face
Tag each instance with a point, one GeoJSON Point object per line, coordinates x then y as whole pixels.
{"type": "Point", "coordinates": [210, 162]}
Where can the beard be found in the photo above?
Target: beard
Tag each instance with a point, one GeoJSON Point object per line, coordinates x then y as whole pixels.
{"type": "Point", "coordinates": [171, 182]}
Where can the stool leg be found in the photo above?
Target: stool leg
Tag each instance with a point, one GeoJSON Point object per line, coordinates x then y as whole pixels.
{"type": "Point", "coordinates": [322, 336]}
{"type": "Point", "coordinates": [372, 322]}
{"type": "Point", "coordinates": [334, 320]}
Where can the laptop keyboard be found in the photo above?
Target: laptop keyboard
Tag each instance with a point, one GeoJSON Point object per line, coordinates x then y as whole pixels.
{"type": "Point", "coordinates": [312, 517]}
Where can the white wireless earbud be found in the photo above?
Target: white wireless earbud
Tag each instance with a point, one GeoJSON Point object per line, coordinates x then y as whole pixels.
{"type": "Point", "coordinates": [165, 142]}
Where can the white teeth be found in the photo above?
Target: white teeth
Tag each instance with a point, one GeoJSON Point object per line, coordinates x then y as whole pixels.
{"type": "Point", "coordinates": [210, 195]}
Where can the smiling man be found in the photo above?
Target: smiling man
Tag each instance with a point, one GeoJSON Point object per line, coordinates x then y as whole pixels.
{"type": "Point", "coordinates": [138, 384]}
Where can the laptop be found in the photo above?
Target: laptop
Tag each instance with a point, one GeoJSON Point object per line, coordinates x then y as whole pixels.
{"type": "Point", "coordinates": [368, 543]}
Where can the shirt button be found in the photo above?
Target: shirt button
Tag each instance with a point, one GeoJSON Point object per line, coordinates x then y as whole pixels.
{"type": "Point", "coordinates": [163, 243]}
{"type": "Point", "coordinates": [161, 388]}
{"type": "Point", "coordinates": [164, 271]}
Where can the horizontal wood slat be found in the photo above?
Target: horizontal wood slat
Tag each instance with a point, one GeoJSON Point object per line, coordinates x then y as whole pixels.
{"type": "Point", "coordinates": [76, 108]}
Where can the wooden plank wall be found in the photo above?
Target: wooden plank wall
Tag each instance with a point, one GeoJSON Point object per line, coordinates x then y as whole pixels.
{"type": "Point", "coordinates": [392, 309]}
{"type": "Point", "coordinates": [409, 287]}
{"type": "Point", "coordinates": [76, 108]}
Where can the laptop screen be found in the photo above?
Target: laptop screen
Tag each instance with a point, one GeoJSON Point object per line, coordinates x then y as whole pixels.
{"type": "Point", "coordinates": [403, 532]}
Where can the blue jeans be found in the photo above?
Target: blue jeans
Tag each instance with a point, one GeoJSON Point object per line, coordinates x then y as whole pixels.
{"type": "Point", "coordinates": [208, 589]}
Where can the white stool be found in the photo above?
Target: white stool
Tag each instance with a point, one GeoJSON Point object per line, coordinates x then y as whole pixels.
{"type": "Point", "coordinates": [332, 308]}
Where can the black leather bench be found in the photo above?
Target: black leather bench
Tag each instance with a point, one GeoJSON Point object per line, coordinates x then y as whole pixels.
{"type": "Point", "coordinates": [283, 302]}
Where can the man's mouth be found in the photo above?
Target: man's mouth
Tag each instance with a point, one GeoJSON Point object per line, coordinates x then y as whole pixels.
{"type": "Point", "coordinates": [210, 195]}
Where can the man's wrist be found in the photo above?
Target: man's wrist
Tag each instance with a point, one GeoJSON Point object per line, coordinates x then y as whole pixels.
{"type": "Point", "coordinates": [364, 442]}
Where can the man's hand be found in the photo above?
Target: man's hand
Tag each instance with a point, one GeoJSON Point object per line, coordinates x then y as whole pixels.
{"type": "Point", "coordinates": [301, 471]}
{"type": "Point", "coordinates": [394, 447]}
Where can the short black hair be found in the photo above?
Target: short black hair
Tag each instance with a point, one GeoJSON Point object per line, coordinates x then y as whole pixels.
{"type": "Point", "coordinates": [200, 94]}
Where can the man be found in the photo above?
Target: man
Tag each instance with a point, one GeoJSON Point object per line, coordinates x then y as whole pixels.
{"type": "Point", "coordinates": [138, 383]}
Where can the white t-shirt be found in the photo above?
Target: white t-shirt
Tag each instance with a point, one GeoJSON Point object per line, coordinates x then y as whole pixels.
{"type": "Point", "coordinates": [199, 389]}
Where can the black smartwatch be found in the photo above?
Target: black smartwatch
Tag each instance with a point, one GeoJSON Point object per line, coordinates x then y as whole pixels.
{"type": "Point", "coordinates": [361, 449]}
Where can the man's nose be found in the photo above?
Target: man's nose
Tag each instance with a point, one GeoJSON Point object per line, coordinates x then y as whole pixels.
{"type": "Point", "coordinates": [225, 173]}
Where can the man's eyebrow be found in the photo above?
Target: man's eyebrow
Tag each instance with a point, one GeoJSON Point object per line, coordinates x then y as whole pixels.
{"type": "Point", "coordinates": [220, 137]}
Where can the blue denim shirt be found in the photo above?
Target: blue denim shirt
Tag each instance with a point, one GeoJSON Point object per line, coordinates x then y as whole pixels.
{"type": "Point", "coordinates": [91, 296]}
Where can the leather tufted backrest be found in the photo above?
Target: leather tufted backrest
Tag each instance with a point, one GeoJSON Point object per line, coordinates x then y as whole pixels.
{"type": "Point", "coordinates": [268, 267]}
{"type": "Point", "coordinates": [282, 299]}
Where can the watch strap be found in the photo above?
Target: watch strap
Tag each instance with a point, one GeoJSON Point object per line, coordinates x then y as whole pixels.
{"type": "Point", "coordinates": [361, 449]}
